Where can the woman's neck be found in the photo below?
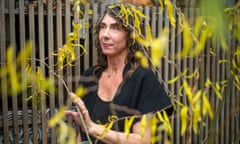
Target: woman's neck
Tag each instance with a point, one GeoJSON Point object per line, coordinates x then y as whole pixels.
{"type": "Point", "coordinates": [115, 66]}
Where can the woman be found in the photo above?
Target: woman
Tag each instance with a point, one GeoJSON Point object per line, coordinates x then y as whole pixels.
{"type": "Point", "coordinates": [118, 86]}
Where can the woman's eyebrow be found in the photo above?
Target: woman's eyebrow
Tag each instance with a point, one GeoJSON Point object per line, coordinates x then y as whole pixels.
{"type": "Point", "coordinates": [114, 23]}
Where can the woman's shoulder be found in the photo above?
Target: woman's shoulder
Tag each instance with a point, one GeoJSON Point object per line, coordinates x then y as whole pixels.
{"type": "Point", "coordinates": [88, 71]}
{"type": "Point", "coordinates": [91, 70]}
{"type": "Point", "coordinates": [142, 71]}
{"type": "Point", "coordinates": [88, 78]}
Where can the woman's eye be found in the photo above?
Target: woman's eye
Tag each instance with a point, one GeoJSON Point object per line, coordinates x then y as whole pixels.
{"type": "Point", "coordinates": [102, 26]}
{"type": "Point", "coordinates": [116, 27]}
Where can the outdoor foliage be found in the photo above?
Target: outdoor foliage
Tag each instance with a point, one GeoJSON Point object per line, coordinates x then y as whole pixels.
{"type": "Point", "coordinates": [215, 22]}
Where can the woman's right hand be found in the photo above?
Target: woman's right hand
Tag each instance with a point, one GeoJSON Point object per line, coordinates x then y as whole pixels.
{"type": "Point", "coordinates": [90, 125]}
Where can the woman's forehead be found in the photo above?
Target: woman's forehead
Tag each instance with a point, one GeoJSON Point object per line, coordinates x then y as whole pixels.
{"type": "Point", "coordinates": [109, 19]}
{"type": "Point", "coordinates": [113, 21]}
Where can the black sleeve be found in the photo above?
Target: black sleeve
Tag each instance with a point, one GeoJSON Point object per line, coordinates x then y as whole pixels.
{"type": "Point", "coordinates": [152, 95]}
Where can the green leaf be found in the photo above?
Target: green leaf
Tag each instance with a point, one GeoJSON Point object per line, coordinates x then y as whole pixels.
{"type": "Point", "coordinates": [63, 132]}
{"type": "Point", "coordinates": [71, 135]}
{"type": "Point", "coordinates": [81, 91]}
{"type": "Point", "coordinates": [170, 12]}
{"type": "Point", "coordinates": [160, 117]}
{"type": "Point", "coordinates": [217, 91]}
{"type": "Point", "coordinates": [184, 119]}
{"type": "Point", "coordinates": [171, 81]}
{"type": "Point", "coordinates": [143, 124]}
{"type": "Point", "coordinates": [25, 54]}
{"type": "Point", "coordinates": [234, 64]}
{"type": "Point", "coordinates": [201, 44]}
{"type": "Point", "coordinates": [197, 96]}
{"type": "Point", "coordinates": [188, 92]}
{"type": "Point", "coordinates": [153, 124]}
{"type": "Point", "coordinates": [208, 83]}
{"type": "Point", "coordinates": [57, 117]}
{"type": "Point", "coordinates": [196, 117]}
{"type": "Point", "coordinates": [143, 59]}
{"type": "Point", "coordinates": [237, 54]}
{"type": "Point", "coordinates": [11, 67]}
{"type": "Point", "coordinates": [198, 24]}
{"type": "Point", "coordinates": [187, 38]}
{"type": "Point", "coordinates": [206, 106]}
{"type": "Point", "coordinates": [127, 125]}
{"type": "Point", "coordinates": [158, 47]}
{"type": "Point", "coordinates": [167, 123]}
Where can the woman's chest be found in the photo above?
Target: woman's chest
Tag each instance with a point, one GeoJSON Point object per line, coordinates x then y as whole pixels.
{"type": "Point", "coordinates": [108, 87]}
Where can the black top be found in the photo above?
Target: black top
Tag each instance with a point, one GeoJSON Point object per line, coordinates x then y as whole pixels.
{"type": "Point", "coordinates": [141, 93]}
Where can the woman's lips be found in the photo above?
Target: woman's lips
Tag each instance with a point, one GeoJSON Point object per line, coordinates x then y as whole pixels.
{"type": "Point", "coordinates": [106, 45]}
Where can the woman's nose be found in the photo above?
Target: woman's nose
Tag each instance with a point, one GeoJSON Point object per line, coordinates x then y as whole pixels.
{"type": "Point", "coordinates": [106, 33]}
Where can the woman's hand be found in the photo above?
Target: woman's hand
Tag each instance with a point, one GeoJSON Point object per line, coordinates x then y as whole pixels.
{"type": "Point", "coordinates": [111, 136]}
{"type": "Point", "coordinates": [89, 124]}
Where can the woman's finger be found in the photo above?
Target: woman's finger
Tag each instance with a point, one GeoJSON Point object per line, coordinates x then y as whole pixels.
{"type": "Point", "coordinates": [80, 104]}
{"type": "Point", "coordinates": [74, 115]}
{"type": "Point", "coordinates": [76, 99]}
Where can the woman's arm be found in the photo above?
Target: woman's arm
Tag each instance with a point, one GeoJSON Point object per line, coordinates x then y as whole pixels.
{"type": "Point", "coordinates": [111, 136]}
{"type": "Point", "coordinates": [116, 137]}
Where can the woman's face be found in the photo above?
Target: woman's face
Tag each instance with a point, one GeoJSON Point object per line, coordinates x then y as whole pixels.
{"type": "Point", "coordinates": [112, 37]}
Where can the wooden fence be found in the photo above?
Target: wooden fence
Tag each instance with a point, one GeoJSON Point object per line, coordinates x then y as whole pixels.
{"type": "Point", "coordinates": [47, 28]}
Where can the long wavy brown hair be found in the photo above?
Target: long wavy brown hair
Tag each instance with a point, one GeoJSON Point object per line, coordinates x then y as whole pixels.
{"type": "Point", "coordinates": [126, 21]}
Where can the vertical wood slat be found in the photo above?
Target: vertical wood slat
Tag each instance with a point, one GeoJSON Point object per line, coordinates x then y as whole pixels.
{"type": "Point", "coordinates": [236, 94]}
{"type": "Point", "coordinates": [179, 44]}
{"type": "Point", "coordinates": [33, 65]}
{"type": "Point", "coordinates": [220, 137]}
{"type": "Point", "coordinates": [41, 49]}
{"type": "Point", "coordinates": [12, 21]}
{"type": "Point", "coordinates": [4, 96]}
{"type": "Point", "coordinates": [58, 45]}
{"type": "Point", "coordinates": [237, 113]}
{"type": "Point", "coordinates": [154, 21]}
{"type": "Point", "coordinates": [166, 74]}
{"type": "Point", "coordinates": [2, 32]}
{"type": "Point", "coordinates": [207, 63]}
{"type": "Point", "coordinates": [171, 57]}
{"type": "Point", "coordinates": [229, 104]}
{"type": "Point", "coordinates": [78, 63]}
{"type": "Point", "coordinates": [159, 28]}
{"type": "Point", "coordinates": [67, 18]}
{"type": "Point", "coordinates": [67, 30]}
{"type": "Point", "coordinates": [165, 59]}
{"type": "Point", "coordinates": [217, 77]}
{"type": "Point", "coordinates": [147, 19]}
{"type": "Point", "coordinates": [223, 76]}
{"type": "Point", "coordinates": [94, 21]}
{"type": "Point", "coordinates": [227, 111]}
{"type": "Point", "coordinates": [184, 65]}
{"type": "Point", "coordinates": [232, 105]}
{"type": "Point", "coordinates": [51, 63]}
{"type": "Point", "coordinates": [87, 55]}
{"type": "Point", "coordinates": [22, 36]}
{"type": "Point", "coordinates": [235, 126]}
{"type": "Point", "coordinates": [213, 68]}
{"type": "Point", "coordinates": [233, 101]}
{"type": "Point", "coordinates": [191, 67]}
{"type": "Point", "coordinates": [67, 27]}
